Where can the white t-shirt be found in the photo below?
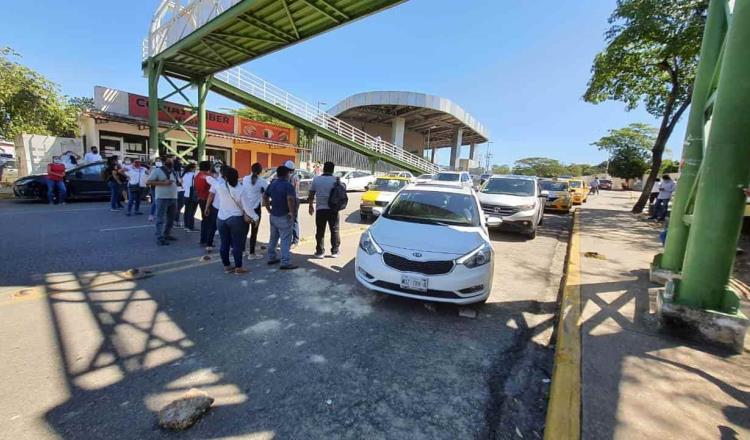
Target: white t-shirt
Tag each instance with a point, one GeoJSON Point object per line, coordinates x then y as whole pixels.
{"type": "Point", "coordinates": [137, 176]}
{"type": "Point", "coordinates": [92, 157]}
{"type": "Point", "coordinates": [666, 189]}
{"type": "Point", "coordinates": [252, 195]}
{"type": "Point", "coordinates": [230, 201]}
{"type": "Point", "coordinates": [67, 160]}
{"type": "Point", "coordinates": [187, 182]}
{"type": "Point", "coordinates": [214, 182]}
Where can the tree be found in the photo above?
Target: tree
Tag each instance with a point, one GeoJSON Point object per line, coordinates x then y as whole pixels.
{"type": "Point", "coordinates": [650, 59]}
{"type": "Point", "coordinates": [628, 150]}
{"type": "Point", "coordinates": [30, 103]}
{"type": "Point", "coordinates": [501, 169]}
{"type": "Point", "coordinates": [669, 166]}
{"type": "Point", "coordinates": [538, 166]}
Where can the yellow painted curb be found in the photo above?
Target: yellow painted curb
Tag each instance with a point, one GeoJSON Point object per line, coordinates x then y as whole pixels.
{"type": "Point", "coordinates": [564, 407]}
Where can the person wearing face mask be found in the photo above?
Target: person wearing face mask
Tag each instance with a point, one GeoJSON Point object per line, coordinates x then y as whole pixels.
{"type": "Point", "coordinates": [56, 180]}
{"type": "Point", "coordinates": [202, 188]}
{"type": "Point", "coordinates": [136, 187]}
{"type": "Point", "coordinates": [164, 179]}
{"type": "Point", "coordinates": [93, 155]}
{"type": "Point", "coordinates": [213, 204]}
{"type": "Point", "coordinates": [158, 163]}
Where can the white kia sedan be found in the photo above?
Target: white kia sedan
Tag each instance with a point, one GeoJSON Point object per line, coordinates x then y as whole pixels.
{"type": "Point", "coordinates": [431, 244]}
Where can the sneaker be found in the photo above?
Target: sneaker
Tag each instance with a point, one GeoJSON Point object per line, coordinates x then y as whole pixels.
{"type": "Point", "coordinates": [240, 271]}
{"type": "Point", "coordinates": [209, 249]}
{"type": "Point", "coordinates": [255, 257]}
{"type": "Point", "coordinates": [335, 253]}
{"type": "Point", "coordinates": [289, 267]}
{"type": "Point", "coordinates": [170, 238]}
{"type": "Point", "coordinates": [320, 254]}
{"type": "Point", "coordinates": [272, 262]}
{"type": "Point", "coordinates": [150, 218]}
{"type": "Point", "coordinates": [229, 269]}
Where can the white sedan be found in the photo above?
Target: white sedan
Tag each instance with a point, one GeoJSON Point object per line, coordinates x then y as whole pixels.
{"type": "Point", "coordinates": [355, 180]}
{"type": "Point", "coordinates": [431, 244]}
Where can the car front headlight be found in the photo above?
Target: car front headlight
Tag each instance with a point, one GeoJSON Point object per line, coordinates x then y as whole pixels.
{"type": "Point", "coordinates": [527, 207]}
{"type": "Point", "coordinates": [478, 257]}
{"type": "Point", "coordinates": [367, 244]}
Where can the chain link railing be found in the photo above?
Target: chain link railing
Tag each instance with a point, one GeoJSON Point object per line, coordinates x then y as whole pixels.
{"type": "Point", "coordinates": [266, 91]}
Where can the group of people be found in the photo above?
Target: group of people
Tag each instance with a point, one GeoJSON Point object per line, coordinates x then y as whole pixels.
{"type": "Point", "coordinates": [56, 172]}
{"type": "Point", "coordinates": [234, 207]}
{"type": "Point", "coordinates": [661, 194]}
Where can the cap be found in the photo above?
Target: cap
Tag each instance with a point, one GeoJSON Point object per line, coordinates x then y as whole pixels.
{"type": "Point", "coordinates": [289, 164]}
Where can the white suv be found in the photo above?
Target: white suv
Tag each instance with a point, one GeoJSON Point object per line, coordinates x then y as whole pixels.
{"type": "Point", "coordinates": [400, 255]}
{"type": "Point", "coordinates": [517, 200]}
{"type": "Point", "coordinates": [457, 177]}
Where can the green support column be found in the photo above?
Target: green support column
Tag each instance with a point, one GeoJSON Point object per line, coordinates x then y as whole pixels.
{"type": "Point", "coordinates": [373, 163]}
{"type": "Point", "coordinates": [153, 107]}
{"type": "Point", "coordinates": [203, 86]}
{"type": "Point", "coordinates": [720, 202]}
{"type": "Point", "coordinates": [692, 153]}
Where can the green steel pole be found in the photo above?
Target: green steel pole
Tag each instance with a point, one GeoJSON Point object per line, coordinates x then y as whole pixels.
{"type": "Point", "coordinates": [720, 202]}
{"type": "Point", "coordinates": [202, 136]}
{"type": "Point", "coordinates": [153, 107]}
{"type": "Point", "coordinates": [692, 153]}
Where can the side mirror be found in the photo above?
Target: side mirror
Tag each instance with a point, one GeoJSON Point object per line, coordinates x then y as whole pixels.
{"type": "Point", "coordinates": [377, 211]}
{"type": "Point", "coordinates": [493, 221]}
{"type": "Point", "coordinates": [544, 194]}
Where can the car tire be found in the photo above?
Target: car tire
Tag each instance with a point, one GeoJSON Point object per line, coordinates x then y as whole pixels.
{"type": "Point", "coordinates": [531, 234]}
{"type": "Point", "coordinates": [541, 219]}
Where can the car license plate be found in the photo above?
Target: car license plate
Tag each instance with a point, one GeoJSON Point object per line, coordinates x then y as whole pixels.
{"type": "Point", "coordinates": [414, 283]}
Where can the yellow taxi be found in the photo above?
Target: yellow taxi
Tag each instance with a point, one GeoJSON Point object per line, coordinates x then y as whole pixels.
{"type": "Point", "coordinates": [558, 195]}
{"type": "Point", "coordinates": [379, 194]}
{"type": "Point", "coordinates": [579, 191]}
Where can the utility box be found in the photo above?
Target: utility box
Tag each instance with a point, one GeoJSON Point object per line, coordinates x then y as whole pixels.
{"type": "Point", "coordinates": [34, 152]}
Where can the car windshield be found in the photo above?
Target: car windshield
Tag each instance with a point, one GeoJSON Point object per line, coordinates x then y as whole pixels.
{"type": "Point", "coordinates": [425, 176]}
{"type": "Point", "coordinates": [515, 187]}
{"type": "Point", "coordinates": [447, 177]}
{"type": "Point", "coordinates": [549, 185]}
{"type": "Point", "coordinates": [340, 173]}
{"type": "Point", "coordinates": [432, 207]}
{"type": "Point", "coordinates": [388, 185]}
{"type": "Point", "coordinates": [575, 183]}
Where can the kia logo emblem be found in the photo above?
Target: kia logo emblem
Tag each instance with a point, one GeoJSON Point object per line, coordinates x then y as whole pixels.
{"type": "Point", "coordinates": [417, 254]}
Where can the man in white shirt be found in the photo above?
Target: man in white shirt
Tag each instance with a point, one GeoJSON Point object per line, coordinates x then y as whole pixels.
{"type": "Point", "coordinates": [294, 180]}
{"type": "Point", "coordinates": [93, 155]}
{"type": "Point", "coordinates": [666, 188]}
{"type": "Point", "coordinates": [70, 159]}
{"type": "Point", "coordinates": [137, 178]}
{"type": "Point", "coordinates": [253, 187]}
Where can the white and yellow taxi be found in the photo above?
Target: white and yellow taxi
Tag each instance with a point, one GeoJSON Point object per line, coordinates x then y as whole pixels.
{"type": "Point", "coordinates": [380, 193]}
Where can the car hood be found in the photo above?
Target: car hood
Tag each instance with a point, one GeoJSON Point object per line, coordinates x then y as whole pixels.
{"type": "Point", "coordinates": [31, 177]}
{"type": "Point", "coordinates": [505, 199]}
{"type": "Point", "coordinates": [455, 240]}
{"type": "Point", "coordinates": [378, 196]}
{"type": "Point", "coordinates": [558, 193]}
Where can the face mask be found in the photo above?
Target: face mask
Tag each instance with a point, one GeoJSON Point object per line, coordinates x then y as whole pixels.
{"type": "Point", "coordinates": [57, 161]}
{"type": "Point", "coordinates": [158, 163]}
{"type": "Point", "coordinates": [127, 162]}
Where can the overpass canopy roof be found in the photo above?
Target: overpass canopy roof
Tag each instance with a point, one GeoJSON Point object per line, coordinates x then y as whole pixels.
{"type": "Point", "coordinates": [423, 113]}
{"type": "Point", "coordinates": [196, 38]}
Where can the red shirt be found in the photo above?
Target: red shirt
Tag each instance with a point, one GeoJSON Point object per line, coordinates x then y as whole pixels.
{"type": "Point", "coordinates": [57, 168]}
{"type": "Point", "coordinates": [202, 186]}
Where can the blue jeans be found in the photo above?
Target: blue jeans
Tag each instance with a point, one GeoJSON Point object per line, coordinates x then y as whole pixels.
{"type": "Point", "coordinates": [134, 197]}
{"type": "Point", "coordinates": [152, 210]}
{"type": "Point", "coordinates": [114, 194]}
{"type": "Point", "coordinates": [281, 229]}
{"type": "Point", "coordinates": [661, 208]}
{"type": "Point", "coordinates": [180, 205]}
{"type": "Point", "coordinates": [233, 233]}
{"type": "Point", "coordinates": [165, 209]}
{"type": "Point", "coordinates": [60, 185]}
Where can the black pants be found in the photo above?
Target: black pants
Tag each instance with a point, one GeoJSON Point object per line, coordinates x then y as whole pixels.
{"type": "Point", "coordinates": [328, 217]}
{"type": "Point", "coordinates": [233, 232]}
{"type": "Point", "coordinates": [190, 207]}
{"type": "Point", "coordinates": [208, 224]}
{"type": "Point", "coordinates": [254, 230]}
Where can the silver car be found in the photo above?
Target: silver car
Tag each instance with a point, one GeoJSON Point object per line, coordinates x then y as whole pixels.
{"type": "Point", "coordinates": [517, 200]}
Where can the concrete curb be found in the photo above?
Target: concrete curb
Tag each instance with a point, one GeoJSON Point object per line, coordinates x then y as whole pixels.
{"type": "Point", "coordinates": [564, 407]}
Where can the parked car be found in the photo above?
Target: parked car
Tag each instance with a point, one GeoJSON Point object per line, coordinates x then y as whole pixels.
{"type": "Point", "coordinates": [304, 183]}
{"type": "Point", "coordinates": [399, 255]}
{"type": "Point", "coordinates": [406, 174]}
{"type": "Point", "coordinates": [422, 178]}
{"type": "Point", "coordinates": [355, 180]}
{"type": "Point", "coordinates": [8, 172]}
{"type": "Point", "coordinates": [379, 194]}
{"type": "Point", "coordinates": [460, 177]}
{"type": "Point", "coordinates": [579, 191]}
{"type": "Point", "coordinates": [84, 181]}
{"type": "Point", "coordinates": [558, 198]}
{"type": "Point", "coordinates": [605, 184]}
{"type": "Point", "coordinates": [518, 200]}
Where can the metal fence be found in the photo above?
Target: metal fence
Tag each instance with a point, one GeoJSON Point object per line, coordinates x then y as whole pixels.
{"type": "Point", "coordinates": [324, 150]}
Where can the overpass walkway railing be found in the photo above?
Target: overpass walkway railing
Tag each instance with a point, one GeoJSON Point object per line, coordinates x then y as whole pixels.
{"type": "Point", "coordinates": [322, 122]}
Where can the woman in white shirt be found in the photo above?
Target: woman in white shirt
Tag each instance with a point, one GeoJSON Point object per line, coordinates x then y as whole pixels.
{"type": "Point", "coordinates": [253, 187]}
{"type": "Point", "coordinates": [231, 220]}
{"type": "Point", "coordinates": [191, 198]}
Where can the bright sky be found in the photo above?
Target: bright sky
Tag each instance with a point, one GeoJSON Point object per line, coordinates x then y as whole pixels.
{"type": "Point", "coordinates": [520, 67]}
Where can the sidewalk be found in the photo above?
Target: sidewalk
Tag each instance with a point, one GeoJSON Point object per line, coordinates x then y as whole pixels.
{"type": "Point", "coordinates": [638, 383]}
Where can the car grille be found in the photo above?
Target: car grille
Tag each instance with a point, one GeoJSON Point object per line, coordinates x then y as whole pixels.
{"type": "Point", "coordinates": [499, 209]}
{"type": "Point", "coordinates": [552, 198]}
{"type": "Point", "coordinates": [424, 267]}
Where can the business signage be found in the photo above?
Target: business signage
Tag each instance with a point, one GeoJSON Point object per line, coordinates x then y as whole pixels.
{"type": "Point", "coordinates": [260, 130]}
{"type": "Point", "coordinates": [138, 107]}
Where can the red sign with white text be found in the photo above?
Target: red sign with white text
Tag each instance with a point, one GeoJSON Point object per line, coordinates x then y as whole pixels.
{"type": "Point", "coordinates": [138, 107]}
{"type": "Point", "coordinates": [260, 130]}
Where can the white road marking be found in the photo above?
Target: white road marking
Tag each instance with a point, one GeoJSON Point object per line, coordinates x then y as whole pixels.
{"type": "Point", "coordinates": [126, 227]}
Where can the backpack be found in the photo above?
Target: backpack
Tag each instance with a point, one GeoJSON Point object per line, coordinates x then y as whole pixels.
{"type": "Point", "coordinates": [337, 199]}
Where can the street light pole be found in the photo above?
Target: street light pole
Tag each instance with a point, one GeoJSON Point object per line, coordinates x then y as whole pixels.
{"type": "Point", "coordinates": [488, 156]}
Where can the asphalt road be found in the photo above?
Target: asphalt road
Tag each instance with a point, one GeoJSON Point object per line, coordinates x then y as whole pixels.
{"type": "Point", "coordinates": [87, 353]}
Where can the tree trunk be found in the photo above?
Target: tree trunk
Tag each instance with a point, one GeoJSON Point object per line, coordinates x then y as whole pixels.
{"type": "Point", "coordinates": [665, 131]}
